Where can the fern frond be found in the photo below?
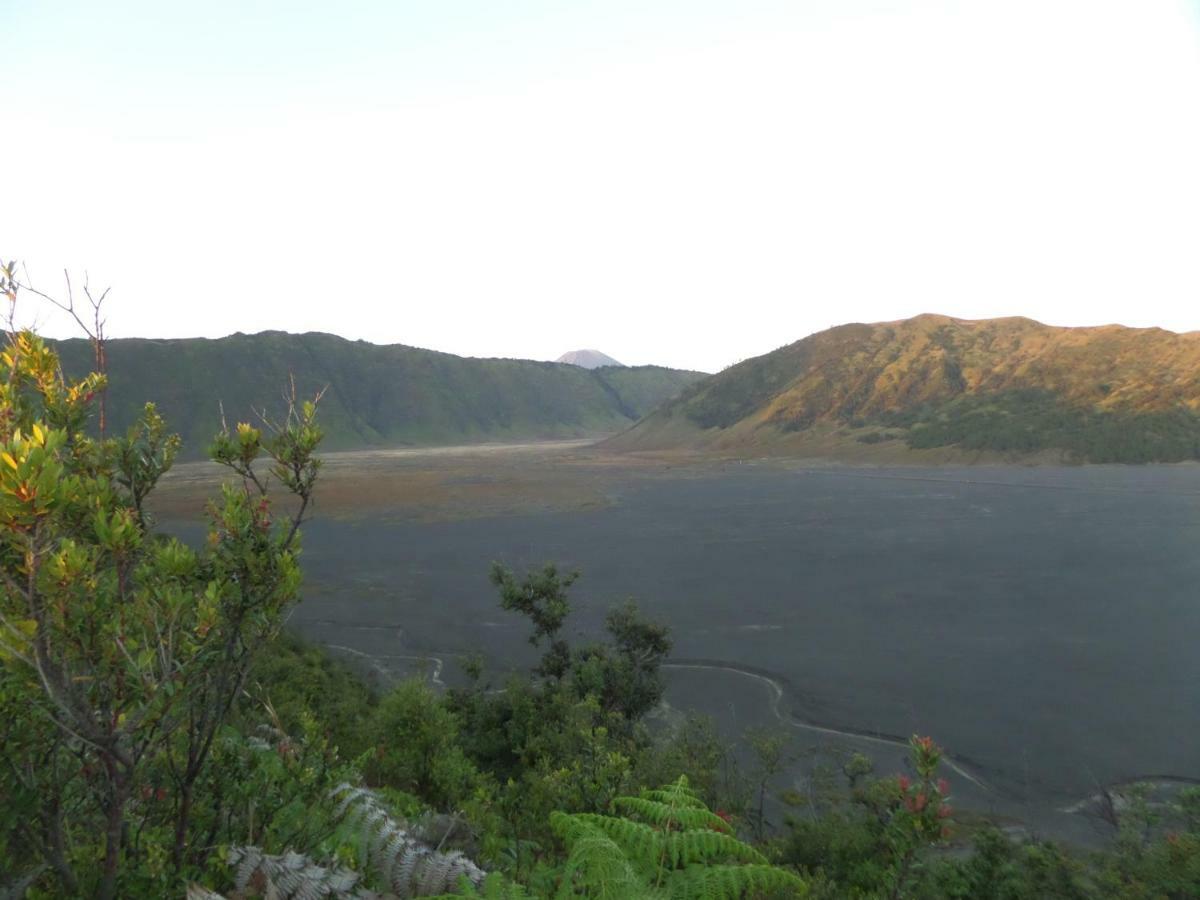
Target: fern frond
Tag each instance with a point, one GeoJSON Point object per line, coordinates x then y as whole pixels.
{"type": "Point", "coordinates": [681, 847]}
{"type": "Point", "coordinates": [266, 737]}
{"type": "Point", "coordinates": [641, 843]}
{"type": "Point", "coordinates": [596, 865]}
{"type": "Point", "coordinates": [408, 866]}
{"type": "Point", "coordinates": [292, 876]}
{"type": "Point", "coordinates": [494, 887]}
{"type": "Point", "coordinates": [650, 847]}
{"type": "Point", "coordinates": [665, 815]}
{"type": "Point", "coordinates": [685, 848]}
{"type": "Point", "coordinates": [673, 806]}
{"type": "Point", "coordinates": [676, 794]}
{"type": "Point", "coordinates": [733, 882]}
{"type": "Point", "coordinates": [349, 794]}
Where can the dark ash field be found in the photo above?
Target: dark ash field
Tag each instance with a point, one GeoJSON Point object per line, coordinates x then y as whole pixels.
{"type": "Point", "coordinates": [1041, 623]}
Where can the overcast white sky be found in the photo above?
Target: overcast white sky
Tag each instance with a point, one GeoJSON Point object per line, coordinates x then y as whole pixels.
{"type": "Point", "coordinates": [685, 182]}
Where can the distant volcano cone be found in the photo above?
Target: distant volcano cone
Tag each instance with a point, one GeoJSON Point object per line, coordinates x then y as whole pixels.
{"type": "Point", "coordinates": [588, 359]}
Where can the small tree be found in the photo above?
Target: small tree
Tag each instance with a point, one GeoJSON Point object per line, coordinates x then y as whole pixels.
{"type": "Point", "coordinates": [565, 738]}
{"type": "Point", "coordinates": [122, 650]}
{"type": "Point", "coordinates": [770, 749]}
{"type": "Point", "coordinates": [919, 812]}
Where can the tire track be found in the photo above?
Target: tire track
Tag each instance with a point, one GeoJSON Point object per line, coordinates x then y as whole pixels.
{"type": "Point", "coordinates": [1093, 800]}
{"type": "Point", "coordinates": [779, 689]}
{"type": "Point", "coordinates": [374, 658]}
{"type": "Point", "coordinates": [777, 695]}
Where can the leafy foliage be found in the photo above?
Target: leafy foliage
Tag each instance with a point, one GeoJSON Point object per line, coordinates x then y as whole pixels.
{"type": "Point", "coordinates": [303, 683]}
{"type": "Point", "coordinates": [884, 839]}
{"type": "Point", "coordinates": [878, 844]}
{"type": "Point", "coordinates": [124, 650]}
{"type": "Point", "coordinates": [668, 845]}
{"type": "Point", "coordinates": [567, 737]}
{"type": "Point", "coordinates": [693, 746]}
{"type": "Point", "coordinates": [542, 598]}
{"type": "Point", "coordinates": [417, 747]}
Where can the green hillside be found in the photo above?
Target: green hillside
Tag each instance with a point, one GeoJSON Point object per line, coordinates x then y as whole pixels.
{"type": "Point", "coordinates": [376, 395]}
{"type": "Point", "coordinates": [938, 388]}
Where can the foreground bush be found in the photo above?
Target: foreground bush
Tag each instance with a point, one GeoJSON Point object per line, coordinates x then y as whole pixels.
{"type": "Point", "coordinates": [123, 650]}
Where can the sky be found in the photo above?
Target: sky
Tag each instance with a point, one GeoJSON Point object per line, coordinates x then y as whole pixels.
{"type": "Point", "coordinates": [681, 182]}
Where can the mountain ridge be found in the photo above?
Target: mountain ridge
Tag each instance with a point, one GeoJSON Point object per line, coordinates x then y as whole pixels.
{"type": "Point", "coordinates": [378, 394]}
{"type": "Point", "coordinates": [1009, 386]}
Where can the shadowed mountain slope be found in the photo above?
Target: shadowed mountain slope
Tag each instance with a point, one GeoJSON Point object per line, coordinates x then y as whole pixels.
{"type": "Point", "coordinates": [376, 395]}
{"type": "Point", "coordinates": [1008, 387]}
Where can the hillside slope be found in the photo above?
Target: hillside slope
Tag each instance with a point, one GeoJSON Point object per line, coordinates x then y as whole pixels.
{"type": "Point", "coordinates": [1009, 387]}
{"type": "Point", "coordinates": [377, 395]}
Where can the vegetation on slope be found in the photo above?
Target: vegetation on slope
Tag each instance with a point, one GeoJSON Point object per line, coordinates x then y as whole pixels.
{"type": "Point", "coordinates": [1030, 421]}
{"type": "Point", "coordinates": [1012, 386]}
{"type": "Point", "coordinates": [376, 395]}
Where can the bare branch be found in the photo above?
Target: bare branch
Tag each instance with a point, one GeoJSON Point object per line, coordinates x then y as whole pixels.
{"type": "Point", "coordinates": [94, 331]}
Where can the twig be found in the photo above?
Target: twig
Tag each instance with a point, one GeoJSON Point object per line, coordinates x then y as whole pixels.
{"type": "Point", "coordinates": [95, 331]}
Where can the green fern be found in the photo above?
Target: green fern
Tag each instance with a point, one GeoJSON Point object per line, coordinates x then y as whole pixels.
{"type": "Point", "coordinates": [679, 851]}
{"type": "Point", "coordinates": [678, 793]}
{"type": "Point", "coordinates": [673, 806]}
{"type": "Point", "coordinates": [494, 887]}
{"type": "Point", "coordinates": [597, 862]}
{"type": "Point", "coordinates": [687, 848]}
{"type": "Point", "coordinates": [650, 846]}
{"type": "Point", "coordinates": [637, 842]}
{"type": "Point", "coordinates": [733, 882]}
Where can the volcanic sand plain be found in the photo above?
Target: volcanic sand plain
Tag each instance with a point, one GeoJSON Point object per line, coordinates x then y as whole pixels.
{"type": "Point", "coordinates": [1039, 622]}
